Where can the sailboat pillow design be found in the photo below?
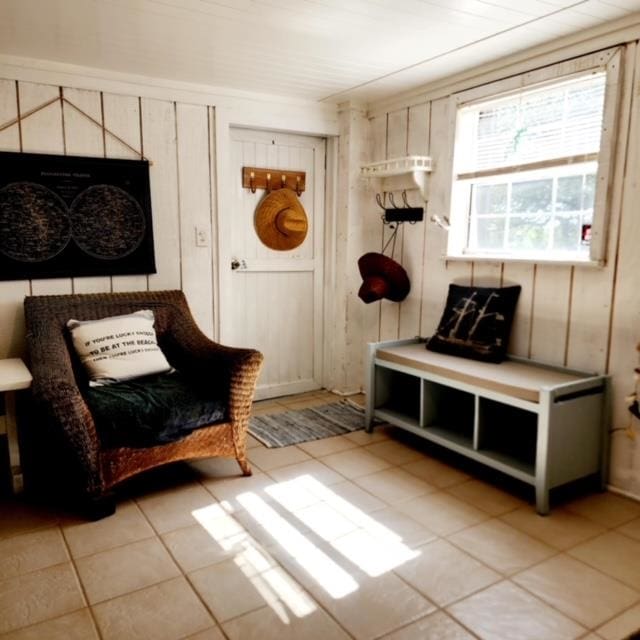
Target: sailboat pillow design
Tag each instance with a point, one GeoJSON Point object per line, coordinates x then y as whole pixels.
{"type": "Point", "coordinates": [476, 322]}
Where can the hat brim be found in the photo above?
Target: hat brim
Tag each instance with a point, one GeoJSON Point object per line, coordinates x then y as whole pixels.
{"type": "Point", "coordinates": [375, 267]}
{"type": "Point", "coordinates": [270, 206]}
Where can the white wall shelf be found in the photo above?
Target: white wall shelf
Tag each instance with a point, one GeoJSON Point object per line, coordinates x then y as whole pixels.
{"type": "Point", "coordinates": [409, 172]}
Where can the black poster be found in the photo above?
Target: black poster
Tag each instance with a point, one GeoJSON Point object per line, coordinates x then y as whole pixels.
{"type": "Point", "coordinates": [69, 216]}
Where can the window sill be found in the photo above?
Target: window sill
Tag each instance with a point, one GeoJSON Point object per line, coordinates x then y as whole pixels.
{"type": "Point", "coordinates": [531, 259]}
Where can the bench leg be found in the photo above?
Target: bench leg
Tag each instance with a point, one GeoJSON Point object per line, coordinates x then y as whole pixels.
{"type": "Point", "coordinates": [542, 498]}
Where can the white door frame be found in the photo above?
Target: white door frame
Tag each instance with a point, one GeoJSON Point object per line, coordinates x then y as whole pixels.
{"type": "Point", "coordinates": [225, 121]}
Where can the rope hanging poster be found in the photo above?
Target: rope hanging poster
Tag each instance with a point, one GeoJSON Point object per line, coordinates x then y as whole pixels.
{"type": "Point", "coordinates": [71, 216]}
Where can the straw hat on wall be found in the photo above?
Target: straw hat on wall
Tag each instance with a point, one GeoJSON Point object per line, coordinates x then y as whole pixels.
{"type": "Point", "coordinates": [281, 221]}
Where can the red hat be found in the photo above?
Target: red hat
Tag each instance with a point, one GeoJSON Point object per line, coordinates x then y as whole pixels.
{"type": "Point", "coordinates": [383, 278]}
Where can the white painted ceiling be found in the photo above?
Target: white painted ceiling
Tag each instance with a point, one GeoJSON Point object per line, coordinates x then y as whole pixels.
{"type": "Point", "coordinates": [321, 50]}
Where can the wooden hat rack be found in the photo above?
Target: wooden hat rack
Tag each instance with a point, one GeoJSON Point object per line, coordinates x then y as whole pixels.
{"type": "Point", "coordinates": [271, 179]}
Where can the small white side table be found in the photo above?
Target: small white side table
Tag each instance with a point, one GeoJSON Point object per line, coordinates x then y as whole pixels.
{"type": "Point", "coordinates": [14, 375]}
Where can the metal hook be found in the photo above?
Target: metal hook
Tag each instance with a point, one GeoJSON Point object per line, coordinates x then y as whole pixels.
{"type": "Point", "coordinates": [283, 180]}
{"type": "Point", "coordinates": [268, 181]}
{"type": "Point", "coordinates": [298, 189]}
{"type": "Point", "coordinates": [381, 200]}
{"type": "Point", "coordinates": [252, 182]}
{"type": "Point", "coordinates": [392, 201]}
{"type": "Point", "coordinates": [404, 198]}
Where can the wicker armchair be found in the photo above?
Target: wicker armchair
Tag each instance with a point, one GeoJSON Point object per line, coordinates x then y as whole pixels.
{"type": "Point", "coordinates": [62, 414]}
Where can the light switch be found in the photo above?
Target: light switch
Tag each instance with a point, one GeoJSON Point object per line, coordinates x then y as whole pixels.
{"type": "Point", "coordinates": [202, 239]}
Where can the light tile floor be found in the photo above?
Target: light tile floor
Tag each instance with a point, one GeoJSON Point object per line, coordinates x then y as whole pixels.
{"type": "Point", "coordinates": [357, 536]}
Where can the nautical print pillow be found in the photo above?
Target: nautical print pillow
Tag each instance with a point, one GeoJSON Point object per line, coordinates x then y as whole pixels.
{"type": "Point", "coordinates": [476, 322]}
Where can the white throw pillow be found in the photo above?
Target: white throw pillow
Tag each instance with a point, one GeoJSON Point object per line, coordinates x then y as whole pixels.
{"type": "Point", "coordinates": [119, 347]}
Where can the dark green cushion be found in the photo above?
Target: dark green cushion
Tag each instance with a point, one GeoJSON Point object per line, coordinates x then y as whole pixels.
{"type": "Point", "coordinates": [152, 410]}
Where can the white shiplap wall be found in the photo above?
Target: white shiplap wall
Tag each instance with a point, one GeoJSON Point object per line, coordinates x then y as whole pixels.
{"type": "Point", "coordinates": [176, 137]}
{"type": "Point", "coordinates": [577, 317]}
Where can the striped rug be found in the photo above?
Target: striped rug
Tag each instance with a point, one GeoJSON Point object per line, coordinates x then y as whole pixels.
{"type": "Point", "coordinates": [292, 427]}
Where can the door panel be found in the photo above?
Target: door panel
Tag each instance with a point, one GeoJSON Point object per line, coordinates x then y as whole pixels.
{"type": "Point", "coordinates": [272, 301]}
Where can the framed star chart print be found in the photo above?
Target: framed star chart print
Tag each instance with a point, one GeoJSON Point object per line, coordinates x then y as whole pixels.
{"type": "Point", "coordinates": [71, 216]}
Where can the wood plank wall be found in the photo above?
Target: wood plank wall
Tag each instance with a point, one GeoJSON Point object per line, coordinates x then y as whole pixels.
{"type": "Point", "coordinates": [177, 138]}
{"type": "Point", "coordinates": [584, 318]}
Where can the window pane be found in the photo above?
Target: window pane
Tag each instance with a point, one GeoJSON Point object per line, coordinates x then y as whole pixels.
{"type": "Point", "coordinates": [569, 196]}
{"type": "Point", "coordinates": [529, 233]}
{"type": "Point", "coordinates": [566, 234]}
{"type": "Point", "coordinates": [589, 193]}
{"type": "Point", "coordinates": [490, 232]}
{"type": "Point", "coordinates": [490, 198]}
{"type": "Point", "coordinates": [531, 196]}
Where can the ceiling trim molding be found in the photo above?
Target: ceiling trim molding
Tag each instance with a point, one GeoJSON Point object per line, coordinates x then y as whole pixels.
{"type": "Point", "coordinates": [256, 109]}
{"type": "Point", "coordinates": [617, 32]}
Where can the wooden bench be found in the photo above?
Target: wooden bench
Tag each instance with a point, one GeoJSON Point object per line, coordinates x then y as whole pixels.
{"type": "Point", "coordinates": [544, 425]}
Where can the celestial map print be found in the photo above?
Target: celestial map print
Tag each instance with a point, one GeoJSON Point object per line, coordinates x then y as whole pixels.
{"type": "Point", "coordinates": [106, 222]}
{"type": "Point", "coordinates": [34, 222]}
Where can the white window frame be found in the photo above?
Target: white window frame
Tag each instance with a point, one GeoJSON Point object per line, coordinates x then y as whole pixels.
{"type": "Point", "coordinates": [608, 61]}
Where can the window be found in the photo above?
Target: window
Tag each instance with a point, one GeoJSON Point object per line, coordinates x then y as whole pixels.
{"type": "Point", "coordinates": [531, 168]}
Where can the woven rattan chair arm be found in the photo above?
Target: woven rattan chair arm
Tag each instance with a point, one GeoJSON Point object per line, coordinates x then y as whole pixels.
{"type": "Point", "coordinates": [64, 407]}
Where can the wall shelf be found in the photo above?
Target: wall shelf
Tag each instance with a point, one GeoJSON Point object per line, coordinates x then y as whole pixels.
{"type": "Point", "coordinates": [409, 172]}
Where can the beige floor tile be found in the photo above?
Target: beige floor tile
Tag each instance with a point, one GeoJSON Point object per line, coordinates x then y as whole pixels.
{"type": "Point", "coordinates": [359, 398]}
{"type": "Point", "coordinates": [206, 468]}
{"type": "Point", "coordinates": [378, 606]}
{"type": "Point", "coordinates": [506, 612]}
{"type": "Point", "coordinates": [228, 491]}
{"type": "Point", "coordinates": [173, 508]}
{"type": "Point", "coordinates": [442, 513]}
{"type": "Point", "coordinates": [252, 442]}
{"type": "Point", "coordinates": [584, 594]}
{"type": "Point", "coordinates": [373, 551]}
{"type": "Point", "coordinates": [391, 523]}
{"type": "Point", "coordinates": [395, 453]}
{"type": "Point", "coordinates": [269, 459]}
{"type": "Point", "coordinates": [355, 463]}
{"type": "Point", "coordinates": [327, 446]}
{"type": "Point", "coordinates": [267, 624]}
{"type": "Point", "coordinates": [437, 626]}
{"type": "Point", "coordinates": [213, 633]}
{"type": "Point", "coordinates": [445, 574]}
{"type": "Point", "coordinates": [614, 554]}
{"type": "Point", "coordinates": [314, 468]}
{"type": "Point", "coordinates": [37, 596]}
{"type": "Point", "coordinates": [560, 529]}
{"type": "Point", "coordinates": [631, 529]}
{"type": "Point", "coordinates": [394, 485]}
{"type": "Point", "coordinates": [362, 438]}
{"type": "Point", "coordinates": [31, 551]}
{"type": "Point", "coordinates": [607, 509]}
{"type": "Point", "coordinates": [309, 403]}
{"type": "Point", "coordinates": [491, 499]}
{"type": "Point", "coordinates": [502, 547]}
{"type": "Point", "coordinates": [126, 525]}
{"type": "Point", "coordinates": [73, 626]}
{"type": "Point", "coordinates": [325, 521]}
{"type": "Point", "coordinates": [435, 472]}
{"type": "Point", "coordinates": [351, 499]}
{"type": "Point", "coordinates": [197, 547]}
{"type": "Point", "coordinates": [112, 573]}
{"type": "Point", "coordinates": [166, 611]}
{"type": "Point", "coordinates": [622, 626]}
{"type": "Point", "coordinates": [250, 581]}
{"type": "Point", "coordinates": [21, 517]}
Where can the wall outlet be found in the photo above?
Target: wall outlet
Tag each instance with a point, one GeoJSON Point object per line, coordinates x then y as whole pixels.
{"type": "Point", "coordinates": [202, 238]}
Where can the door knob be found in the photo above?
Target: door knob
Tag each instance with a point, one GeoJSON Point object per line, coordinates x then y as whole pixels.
{"type": "Point", "coordinates": [235, 264]}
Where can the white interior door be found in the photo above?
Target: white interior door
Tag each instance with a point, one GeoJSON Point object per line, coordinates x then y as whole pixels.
{"type": "Point", "coordinates": [273, 301]}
